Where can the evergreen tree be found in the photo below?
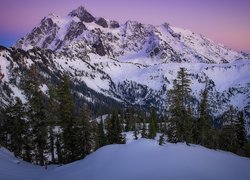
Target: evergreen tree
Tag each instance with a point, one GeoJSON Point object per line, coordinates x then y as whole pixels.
{"type": "Point", "coordinates": [181, 123]}
{"type": "Point", "coordinates": [67, 120]}
{"type": "Point", "coordinates": [161, 140]}
{"type": "Point", "coordinates": [188, 126]}
{"type": "Point", "coordinates": [203, 125]}
{"type": "Point", "coordinates": [15, 126]}
{"type": "Point", "coordinates": [152, 125]}
{"type": "Point", "coordinates": [52, 115]}
{"type": "Point", "coordinates": [183, 83]}
{"type": "Point", "coordinates": [172, 131]}
{"type": "Point", "coordinates": [3, 137]}
{"type": "Point", "coordinates": [174, 126]}
{"type": "Point", "coordinates": [135, 132]}
{"type": "Point", "coordinates": [129, 119]}
{"type": "Point", "coordinates": [83, 133]}
{"type": "Point", "coordinates": [144, 130]}
{"type": "Point", "coordinates": [228, 135]}
{"type": "Point", "coordinates": [36, 114]}
{"type": "Point", "coordinates": [101, 137]}
{"type": "Point", "coordinates": [114, 133]}
{"type": "Point", "coordinates": [241, 131]}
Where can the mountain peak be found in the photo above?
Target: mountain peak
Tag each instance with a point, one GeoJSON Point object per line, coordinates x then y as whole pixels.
{"type": "Point", "coordinates": [82, 14]}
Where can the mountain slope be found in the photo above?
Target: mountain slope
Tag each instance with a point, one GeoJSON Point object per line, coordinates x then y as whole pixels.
{"type": "Point", "coordinates": [105, 82]}
{"type": "Point", "coordinates": [132, 64]}
{"type": "Point", "coordinates": [85, 33]}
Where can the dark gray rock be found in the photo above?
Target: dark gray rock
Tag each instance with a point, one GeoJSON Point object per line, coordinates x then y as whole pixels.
{"type": "Point", "coordinates": [102, 22]}
{"type": "Point", "coordinates": [75, 30]}
{"type": "Point", "coordinates": [82, 14]}
{"type": "Point", "coordinates": [114, 24]}
{"type": "Point", "coordinates": [99, 48]}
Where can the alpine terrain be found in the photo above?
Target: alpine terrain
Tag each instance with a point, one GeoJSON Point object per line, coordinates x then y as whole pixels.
{"type": "Point", "coordinates": [77, 83]}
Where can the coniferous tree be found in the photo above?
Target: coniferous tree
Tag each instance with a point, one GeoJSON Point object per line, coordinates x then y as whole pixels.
{"type": "Point", "coordinates": [15, 126]}
{"type": "Point", "coordinates": [203, 124]}
{"type": "Point", "coordinates": [161, 140]}
{"type": "Point", "coordinates": [52, 115]}
{"type": "Point", "coordinates": [188, 126]}
{"type": "Point", "coordinates": [67, 120]}
{"type": "Point", "coordinates": [36, 114]}
{"type": "Point", "coordinates": [83, 131]}
{"type": "Point", "coordinates": [152, 125]}
{"type": "Point", "coordinates": [184, 91]}
{"type": "Point", "coordinates": [144, 130]}
{"type": "Point", "coordinates": [228, 135]}
{"type": "Point", "coordinates": [180, 126]}
{"type": "Point", "coordinates": [135, 132]}
{"type": "Point", "coordinates": [3, 137]}
{"type": "Point", "coordinates": [241, 131]}
{"type": "Point", "coordinates": [100, 136]}
{"type": "Point", "coordinates": [175, 121]}
{"type": "Point", "coordinates": [129, 119]}
{"type": "Point", "coordinates": [114, 132]}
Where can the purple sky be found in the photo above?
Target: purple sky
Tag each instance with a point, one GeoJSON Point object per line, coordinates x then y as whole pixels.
{"type": "Point", "coordinates": [224, 21]}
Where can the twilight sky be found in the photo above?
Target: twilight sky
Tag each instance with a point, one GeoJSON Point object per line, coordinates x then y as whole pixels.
{"type": "Point", "coordinates": [224, 21]}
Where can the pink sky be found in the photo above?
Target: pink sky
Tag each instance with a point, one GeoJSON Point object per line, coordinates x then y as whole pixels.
{"type": "Point", "coordinates": [224, 21]}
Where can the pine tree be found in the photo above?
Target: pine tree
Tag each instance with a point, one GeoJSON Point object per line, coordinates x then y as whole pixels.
{"type": "Point", "coordinates": [67, 120]}
{"type": "Point", "coordinates": [228, 136]}
{"type": "Point", "coordinates": [114, 132]}
{"type": "Point", "coordinates": [3, 137]}
{"type": "Point", "coordinates": [144, 130]}
{"type": "Point", "coordinates": [161, 140]}
{"type": "Point", "coordinates": [184, 87]}
{"type": "Point", "coordinates": [152, 125]}
{"type": "Point", "coordinates": [38, 121]}
{"type": "Point", "coordinates": [101, 137]}
{"type": "Point", "coordinates": [36, 114]}
{"type": "Point", "coordinates": [15, 126]}
{"type": "Point", "coordinates": [174, 126]}
{"type": "Point", "coordinates": [180, 108]}
{"type": "Point", "coordinates": [83, 133]}
{"type": "Point", "coordinates": [189, 126]}
{"type": "Point", "coordinates": [203, 125]}
{"type": "Point", "coordinates": [135, 132]}
{"type": "Point", "coordinates": [241, 131]}
{"type": "Point", "coordinates": [129, 119]}
{"type": "Point", "coordinates": [52, 115]}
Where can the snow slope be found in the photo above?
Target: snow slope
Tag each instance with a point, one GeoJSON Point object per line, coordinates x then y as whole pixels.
{"type": "Point", "coordinates": [142, 159]}
{"type": "Point", "coordinates": [12, 168]}
{"type": "Point", "coordinates": [146, 160]}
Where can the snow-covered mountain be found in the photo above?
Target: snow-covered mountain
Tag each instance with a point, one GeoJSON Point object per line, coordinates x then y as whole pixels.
{"type": "Point", "coordinates": [115, 64]}
{"type": "Point", "coordinates": [141, 159]}
{"type": "Point", "coordinates": [80, 32]}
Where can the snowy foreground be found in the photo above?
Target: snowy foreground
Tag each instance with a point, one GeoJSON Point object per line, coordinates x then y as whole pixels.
{"type": "Point", "coordinates": [141, 160]}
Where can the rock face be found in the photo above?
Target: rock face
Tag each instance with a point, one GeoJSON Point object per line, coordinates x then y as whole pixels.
{"type": "Point", "coordinates": [114, 24]}
{"type": "Point", "coordinates": [82, 14]}
{"type": "Point", "coordinates": [102, 22]}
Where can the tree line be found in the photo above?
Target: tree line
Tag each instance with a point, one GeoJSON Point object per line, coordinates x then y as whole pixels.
{"type": "Point", "coordinates": [50, 128]}
{"type": "Point", "coordinates": [197, 125]}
